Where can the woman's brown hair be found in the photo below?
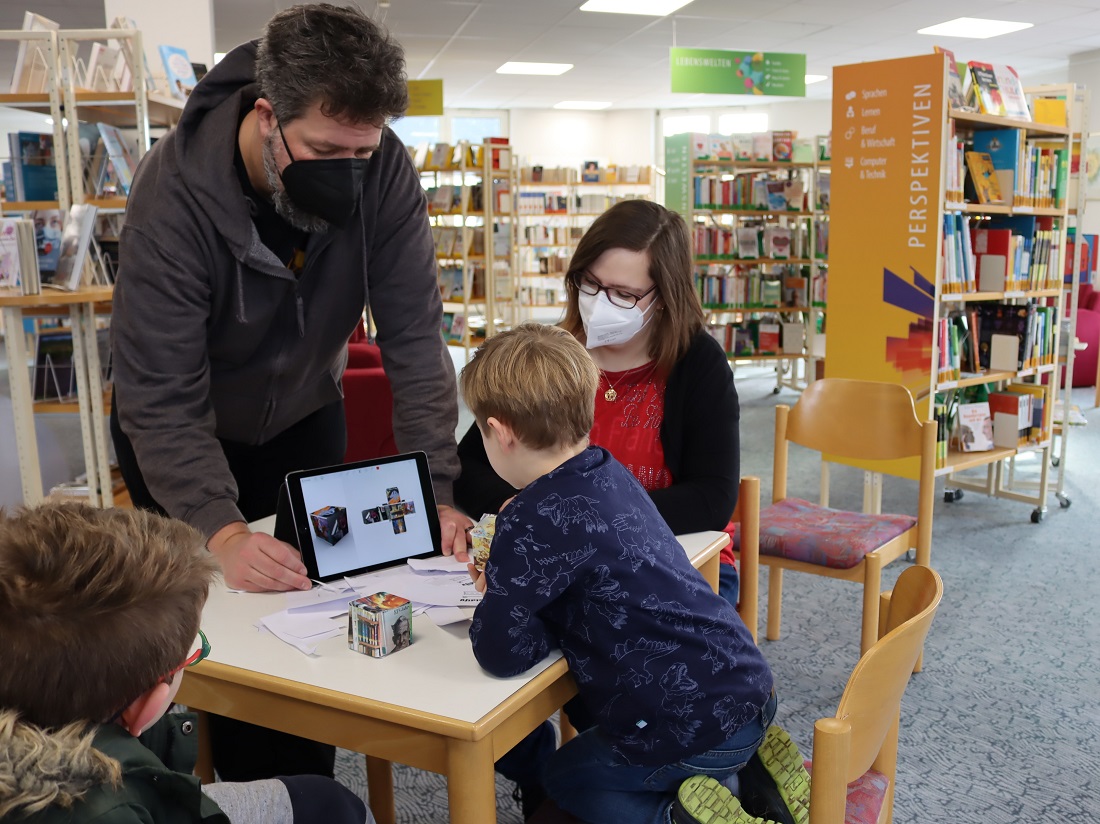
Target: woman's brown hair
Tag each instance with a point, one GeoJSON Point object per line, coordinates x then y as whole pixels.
{"type": "Point", "coordinates": [644, 226]}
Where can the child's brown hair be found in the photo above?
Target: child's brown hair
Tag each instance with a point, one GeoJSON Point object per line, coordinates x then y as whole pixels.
{"type": "Point", "coordinates": [539, 380]}
{"type": "Point", "coordinates": [96, 607]}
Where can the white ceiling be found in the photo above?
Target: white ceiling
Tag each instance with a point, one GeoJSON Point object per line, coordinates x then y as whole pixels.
{"type": "Point", "coordinates": [624, 58]}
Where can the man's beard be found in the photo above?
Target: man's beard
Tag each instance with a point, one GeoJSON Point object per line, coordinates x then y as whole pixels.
{"type": "Point", "coordinates": [284, 206]}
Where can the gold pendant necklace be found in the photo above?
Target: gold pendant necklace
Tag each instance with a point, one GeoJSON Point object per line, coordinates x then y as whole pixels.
{"type": "Point", "coordinates": [611, 395]}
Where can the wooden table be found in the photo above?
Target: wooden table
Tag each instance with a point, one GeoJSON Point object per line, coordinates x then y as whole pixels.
{"type": "Point", "coordinates": [81, 307]}
{"type": "Point", "coordinates": [430, 706]}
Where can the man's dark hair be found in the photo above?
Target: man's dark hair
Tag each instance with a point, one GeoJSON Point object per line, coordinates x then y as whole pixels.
{"type": "Point", "coordinates": [336, 56]}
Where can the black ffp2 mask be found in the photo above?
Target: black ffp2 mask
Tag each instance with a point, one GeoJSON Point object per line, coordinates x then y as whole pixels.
{"type": "Point", "coordinates": [328, 189]}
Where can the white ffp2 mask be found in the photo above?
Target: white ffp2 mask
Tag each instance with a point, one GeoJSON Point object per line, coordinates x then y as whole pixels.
{"type": "Point", "coordinates": [606, 324]}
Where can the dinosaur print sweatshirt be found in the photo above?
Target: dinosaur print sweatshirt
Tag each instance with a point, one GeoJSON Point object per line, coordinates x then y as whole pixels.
{"type": "Point", "coordinates": [582, 561]}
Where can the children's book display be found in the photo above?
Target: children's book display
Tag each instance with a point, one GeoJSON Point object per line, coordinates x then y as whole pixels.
{"type": "Point", "coordinates": [75, 241]}
{"type": "Point", "coordinates": [31, 62]}
{"type": "Point", "coordinates": [179, 71]}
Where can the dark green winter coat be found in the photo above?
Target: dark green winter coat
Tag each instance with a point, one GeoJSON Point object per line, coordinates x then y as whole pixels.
{"type": "Point", "coordinates": [104, 775]}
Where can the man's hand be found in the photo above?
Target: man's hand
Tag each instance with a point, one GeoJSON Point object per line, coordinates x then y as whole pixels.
{"type": "Point", "coordinates": [452, 532]}
{"type": "Point", "coordinates": [256, 562]}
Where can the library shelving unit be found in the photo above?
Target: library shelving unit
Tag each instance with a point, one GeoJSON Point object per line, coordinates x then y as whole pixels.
{"type": "Point", "coordinates": [66, 103]}
{"type": "Point", "coordinates": [554, 208]}
{"type": "Point", "coordinates": [470, 196]}
{"type": "Point", "coordinates": [760, 265]}
{"type": "Point", "coordinates": [900, 233]}
{"type": "Point", "coordinates": [1076, 100]}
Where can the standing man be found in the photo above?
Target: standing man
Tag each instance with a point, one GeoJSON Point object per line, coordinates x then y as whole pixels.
{"type": "Point", "coordinates": [257, 231]}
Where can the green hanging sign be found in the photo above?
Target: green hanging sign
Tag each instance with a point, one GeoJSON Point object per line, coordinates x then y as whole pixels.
{"type": "Point", "coordinates": [717, 71]}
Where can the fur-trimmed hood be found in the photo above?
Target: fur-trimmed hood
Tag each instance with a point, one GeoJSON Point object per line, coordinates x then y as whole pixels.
{"type": "Point", "coordinates": [43, 768]}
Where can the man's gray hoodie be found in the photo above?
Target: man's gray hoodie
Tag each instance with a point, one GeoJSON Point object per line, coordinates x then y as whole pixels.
{"type": "Point", "coordinates": [214, 338]}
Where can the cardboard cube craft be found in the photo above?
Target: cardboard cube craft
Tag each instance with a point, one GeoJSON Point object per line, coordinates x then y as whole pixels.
{"type": "Point", "coordinates": [379, 624]}
{"type": "Point", "coordinates": [330, 523]}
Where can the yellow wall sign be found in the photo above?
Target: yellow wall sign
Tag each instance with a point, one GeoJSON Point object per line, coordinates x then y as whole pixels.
{"type": "Point", "coordinates": [425, 98]}
{"type": "Point", "coordinates": [886, 220]}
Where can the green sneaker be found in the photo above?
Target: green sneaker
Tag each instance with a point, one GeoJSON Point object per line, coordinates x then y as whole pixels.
{"type": "Point", "coordinates": [703, 800]}
{"type": "Point", "coordinates": [775, 783]}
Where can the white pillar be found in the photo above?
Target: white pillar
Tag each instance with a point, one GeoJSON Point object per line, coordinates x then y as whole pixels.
{"type": "Point", "coordinates": [1084, 70]}
{"type": "Point", "coordinates": [187, 24]}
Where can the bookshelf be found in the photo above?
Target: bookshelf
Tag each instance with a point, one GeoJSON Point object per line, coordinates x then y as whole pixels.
{"type": "Point", "coordinates": [554, 209]}
{"type": "Point", "coordinates": [760, 237]}
{"type": "Point", "coordinates": [470, 190]}
{"type": "Point", "coordinates": [901, 233]}
{"type": "Point", "coordinates": [61, 97]}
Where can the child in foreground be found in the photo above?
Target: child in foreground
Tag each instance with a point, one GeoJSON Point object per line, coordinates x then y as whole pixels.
{"type": "Point", "coordinates": [680, 695]}
{"type": "Point", "coordinates": [99, 616]}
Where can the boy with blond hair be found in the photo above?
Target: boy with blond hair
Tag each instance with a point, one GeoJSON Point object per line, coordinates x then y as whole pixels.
{"type": "Point", "coordinates": [99, 616]}
{"type": "Point", "coordinates": [581, 560]}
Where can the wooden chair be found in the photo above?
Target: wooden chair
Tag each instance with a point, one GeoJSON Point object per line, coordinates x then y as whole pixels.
{"type": "Point", "coordinates": [747, 518]}
{"type": "Point", "coordinates": [854, 420]}
{"type": "Point", "coordinates": [855, 752]}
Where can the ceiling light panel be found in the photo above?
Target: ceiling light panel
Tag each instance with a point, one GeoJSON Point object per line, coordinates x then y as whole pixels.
{"type": "Point", "coordinates": [975, 28]}
{"type": "Point", "coordinates": [652, 8]}
{"type": "Point", "coordinates": [514, 67]}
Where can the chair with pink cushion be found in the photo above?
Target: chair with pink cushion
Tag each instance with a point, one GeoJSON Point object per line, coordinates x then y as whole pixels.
{"type": "Point", "coordinates": [855, 752]}
{"type": "Point", "coordinates": [870, 424]}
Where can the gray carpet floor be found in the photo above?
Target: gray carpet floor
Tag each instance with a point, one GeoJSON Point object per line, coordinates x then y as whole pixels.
{"type": "Point", "coordinates": [1003, 724]}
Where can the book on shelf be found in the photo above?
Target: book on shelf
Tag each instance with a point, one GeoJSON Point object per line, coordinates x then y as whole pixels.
{"type": "Point", "coordinates": [973, 427]}
{"type": "Point", "coordinates": [536, 174]}
{"type": "Point", "coordinates": [984, 177]}
{"type": "Point", "coordinates": [121, 158]}
{"type": "Point", "coordinates": [777, 242]}
{"type": "Point", "coordinates": [955, 95]}
{"type": "Point", "coordinates": [48, 230]}
{"type": "Point", "coordinates": [1040, 419]}
{"type": "Point", "coordinates": [942, 420]}
{"type": "Point", "coordinates": [591, 173]}
{"type": "Point", "coordinates": [33, 166]}
{"type": "Point", "coordinates": [762, 146]}
{"type": "Point", "coordinates": [178, 71]}
{"type": "Point", "coordinates": [748, 242]}
{"type": "Point", "coordinates": [1012, 92]}
{"type": "Point", "coordinates": [11, 256]}
{"type": "Point", "coordinates": [1003, 147]}
{"type": "Point", "coordinates": [741, 147]}
{"type": "Point", "coordinates": [75, 240]}
{"type": "Point", "coordinates": [783, 145]}
{"type": "Point", "coordinates": [1011, 413]}
{"type": "Point", "coordinates": [31, 72]}
{"type": "Point", "coordinates": [200, 70]}
{"type": "Point", "coordinates": [1050, 110]}
{"type": "Point", "coordinates": [984, 93]}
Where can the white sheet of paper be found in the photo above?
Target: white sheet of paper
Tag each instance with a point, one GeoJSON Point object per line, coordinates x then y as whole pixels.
{"type": "Point", "coordinates": [308, 644]}
{"type": "Point", "coordinates": [439, 563]}
{"type": "Point", "coordinates": [442, 616]}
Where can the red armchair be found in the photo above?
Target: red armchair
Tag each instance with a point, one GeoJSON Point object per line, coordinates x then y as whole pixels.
{"type": "Point", "coordinates": [1088, 331]}
{"type": "Point", "coordinates": [368, 402]}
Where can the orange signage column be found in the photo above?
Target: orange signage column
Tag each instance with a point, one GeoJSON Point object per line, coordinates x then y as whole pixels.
{"type": "Point", "coordinates": [889, 134]}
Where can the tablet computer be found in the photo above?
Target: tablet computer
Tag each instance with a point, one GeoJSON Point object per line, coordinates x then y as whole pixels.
{"type": "Point", "coordinates": [362, 516]}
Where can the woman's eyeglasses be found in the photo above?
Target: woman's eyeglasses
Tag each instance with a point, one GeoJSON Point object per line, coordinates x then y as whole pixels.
{"type": "Point", "coordinates": [618, 297]}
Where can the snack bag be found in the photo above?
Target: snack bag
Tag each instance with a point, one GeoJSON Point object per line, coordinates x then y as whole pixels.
{"type": "Point", "coordinates": [481, 537]}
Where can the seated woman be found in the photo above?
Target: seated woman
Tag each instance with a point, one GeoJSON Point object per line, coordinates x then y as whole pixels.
{"type": "Point", "coordinates": [666, 406]}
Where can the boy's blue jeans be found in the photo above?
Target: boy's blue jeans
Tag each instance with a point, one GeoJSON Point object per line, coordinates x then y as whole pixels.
{"type": "Point", "coordinates": [588, 779]}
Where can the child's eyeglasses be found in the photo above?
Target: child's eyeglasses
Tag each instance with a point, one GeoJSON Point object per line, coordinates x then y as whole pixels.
{"type": "Point", "coordinates": [194, 657]}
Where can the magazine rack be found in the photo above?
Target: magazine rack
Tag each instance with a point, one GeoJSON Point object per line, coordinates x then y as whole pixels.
{"type": "Point", "coordinates": [80, 307]}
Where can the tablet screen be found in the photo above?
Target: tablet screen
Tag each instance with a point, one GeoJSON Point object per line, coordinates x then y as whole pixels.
{"type": "Point", "coordinates": [366, 515]}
